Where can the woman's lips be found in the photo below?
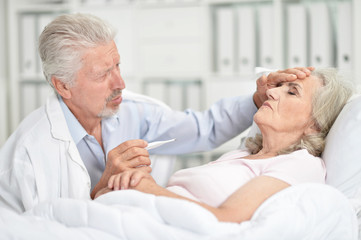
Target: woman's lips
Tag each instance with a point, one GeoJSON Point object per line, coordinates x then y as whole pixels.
{"type": "Point", "coordinates": [266, 104]}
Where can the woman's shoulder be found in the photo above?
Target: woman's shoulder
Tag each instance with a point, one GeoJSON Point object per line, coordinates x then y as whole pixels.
{"type": "Point", "coordinates": [303, 153]}
{"type": "Point", "coordinates": [234, 154]}
{"type": "Point", "coordinates": [303, 157]}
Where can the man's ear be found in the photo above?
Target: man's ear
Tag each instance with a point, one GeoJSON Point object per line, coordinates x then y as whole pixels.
{"type": "Point", "coordinates": [62, 88]}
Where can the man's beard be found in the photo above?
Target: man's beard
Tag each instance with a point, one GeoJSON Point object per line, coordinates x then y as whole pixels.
{"type": "Point", "coordinates": [107, 112]}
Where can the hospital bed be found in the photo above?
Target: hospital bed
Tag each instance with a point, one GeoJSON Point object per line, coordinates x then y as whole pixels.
{"type": "Point", "coordinates": [305, 211]}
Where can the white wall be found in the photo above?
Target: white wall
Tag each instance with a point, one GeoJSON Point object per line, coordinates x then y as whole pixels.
{"type": "Point", "coordinates": [3, 78]}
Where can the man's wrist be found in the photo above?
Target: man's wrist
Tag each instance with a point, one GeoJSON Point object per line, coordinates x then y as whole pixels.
{"type": "Point", "coordinates": [257, 100]}
{"type": "Point", "coordinates": [100, 185]}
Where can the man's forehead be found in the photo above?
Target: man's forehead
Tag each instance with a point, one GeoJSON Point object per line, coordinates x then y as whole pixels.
{"type": "Point", "coordinates": [101, 63]}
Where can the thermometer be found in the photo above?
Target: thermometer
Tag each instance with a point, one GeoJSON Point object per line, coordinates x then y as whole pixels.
{"type": "Point", "coordinates": [158, 144]}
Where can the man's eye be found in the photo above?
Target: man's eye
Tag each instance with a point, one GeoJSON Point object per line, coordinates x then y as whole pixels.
{"type": "Point", "coordinates": [117, 66]}
{"type": "Point", "coordinates": [291, 93]}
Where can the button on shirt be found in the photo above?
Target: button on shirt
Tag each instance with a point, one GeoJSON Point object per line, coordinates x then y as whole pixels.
{"type": "Point", "coordinates": [89, 149]}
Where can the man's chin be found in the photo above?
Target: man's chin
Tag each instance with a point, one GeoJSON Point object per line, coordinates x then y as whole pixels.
{"type": "Point", "coordinates": [108, 112]}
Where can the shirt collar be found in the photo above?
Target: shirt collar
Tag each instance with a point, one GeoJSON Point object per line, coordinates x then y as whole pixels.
{"type": "Point", "coordinates": [111, 123]}
{"type": "Point", "coordinates": [76, 129]}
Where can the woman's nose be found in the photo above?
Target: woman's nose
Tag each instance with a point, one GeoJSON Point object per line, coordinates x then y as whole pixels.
{"type": "Point", "coordinates": [272, 93]}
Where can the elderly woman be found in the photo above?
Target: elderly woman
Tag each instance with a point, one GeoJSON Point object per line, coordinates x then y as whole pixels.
{"type": "Point", "coordinates": [294, 122]}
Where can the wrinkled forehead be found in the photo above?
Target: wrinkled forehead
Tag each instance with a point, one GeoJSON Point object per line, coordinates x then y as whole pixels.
{"type": "Point", "coordinates": [310, 84]}
{"type": "Point", "coordinates": [100, 57]}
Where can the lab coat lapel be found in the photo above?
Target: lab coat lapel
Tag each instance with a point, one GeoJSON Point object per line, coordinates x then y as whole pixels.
{"type": "Point", "coordinates": [59, 128]}
{"type": "Point", "coordinates": [76, 180]}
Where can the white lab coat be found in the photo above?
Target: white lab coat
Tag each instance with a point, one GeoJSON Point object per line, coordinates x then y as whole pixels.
{"type": "Point", "coordinates": [23, 181]}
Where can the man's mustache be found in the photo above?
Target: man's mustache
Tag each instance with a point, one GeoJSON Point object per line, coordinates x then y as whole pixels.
{"type": "Point", "coordinates": [115, 93]}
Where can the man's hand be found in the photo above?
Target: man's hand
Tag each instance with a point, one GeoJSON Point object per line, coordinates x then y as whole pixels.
{"type": "Point", "coordinates": [130, 154]}
{"type": "Point", "coordinates": [264, 83]}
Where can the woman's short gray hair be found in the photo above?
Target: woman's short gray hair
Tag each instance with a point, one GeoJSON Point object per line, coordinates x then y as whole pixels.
{"type": "Point", "coordinates": [63, 42]}
{"type": "Point", "coordinates": [327, 103]}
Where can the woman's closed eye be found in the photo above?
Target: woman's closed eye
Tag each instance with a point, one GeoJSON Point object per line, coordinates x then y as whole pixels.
{"type": "Point", "coordinates": [293, 91]}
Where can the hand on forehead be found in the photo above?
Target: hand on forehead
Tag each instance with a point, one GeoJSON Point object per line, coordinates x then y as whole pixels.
{"type": "Point", "coordinates": [287, 75]}
{"type": "Point", "coordinates": [264, 83]}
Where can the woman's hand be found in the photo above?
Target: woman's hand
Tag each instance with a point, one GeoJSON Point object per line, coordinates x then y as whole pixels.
{"type": "Point", "coordinates": [288, 75]}
{"type": "Point", "coordinates": [129, 178]}
{"type": "Point", "coordinates": [128, 155]}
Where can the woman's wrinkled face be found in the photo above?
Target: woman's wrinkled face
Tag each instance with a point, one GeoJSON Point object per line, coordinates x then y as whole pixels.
{"type": "Point", "coordinates": [289, 106]}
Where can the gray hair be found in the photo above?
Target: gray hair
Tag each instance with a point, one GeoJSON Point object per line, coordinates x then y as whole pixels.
{"type": "Point", "coordinates": [327, 103]}
{"type": "Point", "coordinates": [63, 42]}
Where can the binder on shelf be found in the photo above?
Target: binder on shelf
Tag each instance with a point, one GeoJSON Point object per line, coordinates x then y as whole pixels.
{"type": "Point", "coordinates": [246, 45]}
{"type": "Point", "coordinates": [265, 36]}
{"type": "Point", "coordinates": [225, 40]}
{"type": "Point", "coordinates": [175, 96]}
{"type": "Point", "coordinates": [344, 36]}
{"type": "Point", "coordinates": [148, 1]}
{"type": "Point", "coordinates": [3, 111]}
{"type": "Point", "coordinates": [44, 92]}
{"type": "Point", "coordinates": [43, 20]}
{"type": "Point", "coordinates": [155, 89]}
{"type": "Point", "coordinates": [297, 36]}
{"type": "Point", "coordinates": [28, 35]}
{"type": "Point", "coordinates": [321, 41]}
{"type": "Point", "coordinates": [95, 2]}
{"type": "Point", "coordinates": [193, 98]}
{"type": "Point", "coordinates": [29, 96]}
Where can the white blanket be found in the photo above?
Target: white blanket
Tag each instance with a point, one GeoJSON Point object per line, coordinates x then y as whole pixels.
{"type": "Point", "coordinates": [307, 211]}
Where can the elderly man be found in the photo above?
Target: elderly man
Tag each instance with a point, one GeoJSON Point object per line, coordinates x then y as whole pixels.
{"type": "Point", "coordinates": [72, 145]}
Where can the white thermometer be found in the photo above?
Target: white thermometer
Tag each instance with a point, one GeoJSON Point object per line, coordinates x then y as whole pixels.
{"type": "Point", "coordinates": [158, 144]}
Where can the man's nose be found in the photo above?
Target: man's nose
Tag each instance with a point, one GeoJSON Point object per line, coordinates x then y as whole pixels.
{"type": "Point", "coordinates": [117, 80]}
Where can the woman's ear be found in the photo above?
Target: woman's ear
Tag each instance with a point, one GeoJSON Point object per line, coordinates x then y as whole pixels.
{"type": "Point", "coordinates": [312, 129]}
{"type": "Point", "coordinates": [61, 88]}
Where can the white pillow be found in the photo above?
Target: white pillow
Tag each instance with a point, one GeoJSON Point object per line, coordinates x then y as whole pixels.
{"type": "Point", "coordinates": [342, 154]}
{"type": "Point", "coordinates": [253, 130]}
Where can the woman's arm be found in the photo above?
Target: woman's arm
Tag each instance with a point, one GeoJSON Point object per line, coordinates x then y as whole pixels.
{"type": "Point", "coordinates": [238, 207]}
{"type": "Point", "coordinates": [242, 204]}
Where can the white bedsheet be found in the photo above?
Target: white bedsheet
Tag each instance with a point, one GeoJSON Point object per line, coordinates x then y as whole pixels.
{"type": "Point", "coordinates": [307, 211]}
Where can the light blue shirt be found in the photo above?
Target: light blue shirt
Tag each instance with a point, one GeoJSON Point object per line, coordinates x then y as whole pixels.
{"type": "Point", "coordinates": [89, 149]}
{"type": "Point", "coordinates": [194, 131]}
